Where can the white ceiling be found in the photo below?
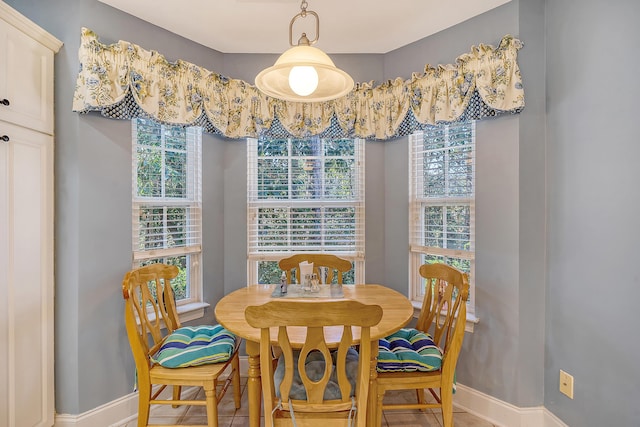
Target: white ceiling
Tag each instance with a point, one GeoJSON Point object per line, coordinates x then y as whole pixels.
{"type": "Point", "coordinates": [346, 26]}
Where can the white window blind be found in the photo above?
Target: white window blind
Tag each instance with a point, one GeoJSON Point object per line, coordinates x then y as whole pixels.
{"type": "Point", "coordinates": [167, 201]}
{"type": "Point", "coordinates": [442, 199]}
{"type": "Point", "coordinates": [305, 195]}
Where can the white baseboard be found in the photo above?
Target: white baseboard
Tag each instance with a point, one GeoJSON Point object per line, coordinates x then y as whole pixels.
{"type": "Point", "coordinates": [501, 413]}
{"type": "Point", "coordinates": [244, 366]}
{"type": "Point", "coordinates": [114, 413]}
{"type": "Point", "coordinates": [550, 420]}
{"type": "Point", "coordinates": [120, 411]}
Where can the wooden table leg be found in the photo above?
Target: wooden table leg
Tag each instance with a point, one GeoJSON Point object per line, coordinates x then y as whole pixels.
{"type": "Point", "coordinates": [254, 384]}
{"type": "Point", "coordinates": [373, 387]}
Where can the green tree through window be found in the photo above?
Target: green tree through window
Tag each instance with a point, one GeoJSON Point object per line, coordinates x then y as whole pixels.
{"type": "Point", "coordinates": [442, 202]}
{"type": "Point", "coordinates": [304, 195]}
{"type": "Point", "coordinates": [167, 202]}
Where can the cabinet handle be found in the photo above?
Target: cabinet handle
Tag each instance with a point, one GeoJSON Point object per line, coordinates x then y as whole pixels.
{"type": "Point", "coordinates": [5, 102]}
{"type": "Point", "coordinates": [4, 138]}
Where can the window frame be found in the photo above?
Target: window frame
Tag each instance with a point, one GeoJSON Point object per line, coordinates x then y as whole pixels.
{"type": "Point", "coordinates": [191, 307]}
{"type": "Point", "coordinates": [255, 255]}
{"type": "Point", "coordinates": [417, 206]}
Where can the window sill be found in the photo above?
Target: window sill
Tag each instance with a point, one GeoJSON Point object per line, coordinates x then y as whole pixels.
{"type": "Point", "coordinates": [193, 311]}
{"type": "Point", "coordinates": [471, 319]}
{"type": "Point", "coordinates": [186, 312]}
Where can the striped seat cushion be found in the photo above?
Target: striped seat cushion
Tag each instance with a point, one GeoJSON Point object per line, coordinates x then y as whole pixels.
{"type": "Point", "coordinates": [193, 346]}
{"type": "Point", "coordinates": [408, 350]}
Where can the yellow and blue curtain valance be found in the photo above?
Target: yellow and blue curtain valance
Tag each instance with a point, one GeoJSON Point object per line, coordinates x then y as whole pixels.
{"type": "Point", "coordinates": [125, 81]}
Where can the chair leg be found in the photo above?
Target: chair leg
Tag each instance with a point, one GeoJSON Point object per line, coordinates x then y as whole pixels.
{"type": "Point", "coordinates": [421, 398]}
{"type": "Point", "coordinates": [144, 396]}
{"type": "Point", "coordinates": [237, 395]}
{"type": "Point", "coordinates": [378, 410]}
{"type": "Point", "coordinates": [177, 391]}
{"type": "Point", "coordinates": [268, 419]}
{"type": "Point", "coordinates": [447, 407]}
{"type": "Point", "coordinates": [212, 407]}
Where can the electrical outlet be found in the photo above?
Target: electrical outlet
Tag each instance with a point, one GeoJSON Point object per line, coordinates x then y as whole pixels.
{"type": "Point", "coordinates": [566, 384]}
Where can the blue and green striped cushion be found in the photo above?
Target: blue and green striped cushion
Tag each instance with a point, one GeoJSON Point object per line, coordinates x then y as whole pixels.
{"type": "Point", "coordinates": [408, 350]}
{"type": "Point", "coordinates": [193, 346]}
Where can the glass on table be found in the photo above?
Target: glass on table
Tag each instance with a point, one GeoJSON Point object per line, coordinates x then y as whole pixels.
{"type": "Point", "coordinates": [315, 284]}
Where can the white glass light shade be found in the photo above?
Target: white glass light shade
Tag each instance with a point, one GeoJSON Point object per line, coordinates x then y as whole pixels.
{"type": "Point", "coordinates": [332, 82]}
{"type": "Point", "coordinates": [303, 79]}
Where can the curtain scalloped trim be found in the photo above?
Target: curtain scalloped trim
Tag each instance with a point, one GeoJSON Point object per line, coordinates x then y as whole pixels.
{"type": "Point", "coordinates": [182, 93]}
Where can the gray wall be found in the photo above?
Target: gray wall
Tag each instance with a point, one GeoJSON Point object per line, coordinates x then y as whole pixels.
{"type": "Point", "coordinates": [593, 178]}
{"type": "Point", "coordinates": [546, 188]}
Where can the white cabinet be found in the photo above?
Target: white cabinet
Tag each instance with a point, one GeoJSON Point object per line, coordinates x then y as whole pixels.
{"type": "Point", "coordinates": [26, 94]}
{"type": "Point", "coordinates": [26, 72]}
{"type": "Point", "coordinates": [26, 273]}
{"type": "Point", "coordinates": [26, 222]}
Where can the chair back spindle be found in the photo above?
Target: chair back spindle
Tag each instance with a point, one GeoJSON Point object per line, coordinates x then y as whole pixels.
{"type": "Point", "coordinates": [336, 266]}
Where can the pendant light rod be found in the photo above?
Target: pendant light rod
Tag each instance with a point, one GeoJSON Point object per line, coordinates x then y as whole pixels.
{"type": "Point", "coordinates": [304, 41]}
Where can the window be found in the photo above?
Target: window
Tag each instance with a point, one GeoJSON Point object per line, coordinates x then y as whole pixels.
{"type": "Point", "coordinates": [442, 203]}
{"type": "Point", "coordinates": [304, 195]}
{"type": "Point", "coordinates": [167, 207]}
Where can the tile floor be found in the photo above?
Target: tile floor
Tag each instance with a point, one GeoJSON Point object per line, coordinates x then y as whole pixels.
{"type": "Point", "coordinates": [228, 416]}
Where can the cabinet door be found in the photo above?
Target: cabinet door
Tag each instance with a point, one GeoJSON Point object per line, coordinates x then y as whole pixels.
{"type": "Point", "coordinates": [26, 278]}
{"type": "Point", "coordinates": [26, 86]}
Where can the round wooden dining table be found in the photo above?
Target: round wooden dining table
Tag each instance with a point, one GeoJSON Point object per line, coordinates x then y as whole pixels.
{"type": "Point", "coordinates": [229, 312]}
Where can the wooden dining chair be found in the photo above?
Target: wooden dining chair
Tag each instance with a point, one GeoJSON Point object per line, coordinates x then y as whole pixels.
{"type": "Point", "coordinates": [167, 354]}
{"type": "Point", "coordinates": [329, 388]}
{"type": "Point", "coordinates": [413, 358]}
{"type": "Point", "coordinates": [336, 266]}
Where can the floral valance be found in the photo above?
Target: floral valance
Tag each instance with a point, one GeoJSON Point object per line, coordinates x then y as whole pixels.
{"type": "Point", "coordinates": [124, 81]}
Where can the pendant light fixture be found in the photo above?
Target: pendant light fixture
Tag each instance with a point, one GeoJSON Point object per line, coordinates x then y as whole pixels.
{"type": "Point", "coordinates": [304, 73]}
